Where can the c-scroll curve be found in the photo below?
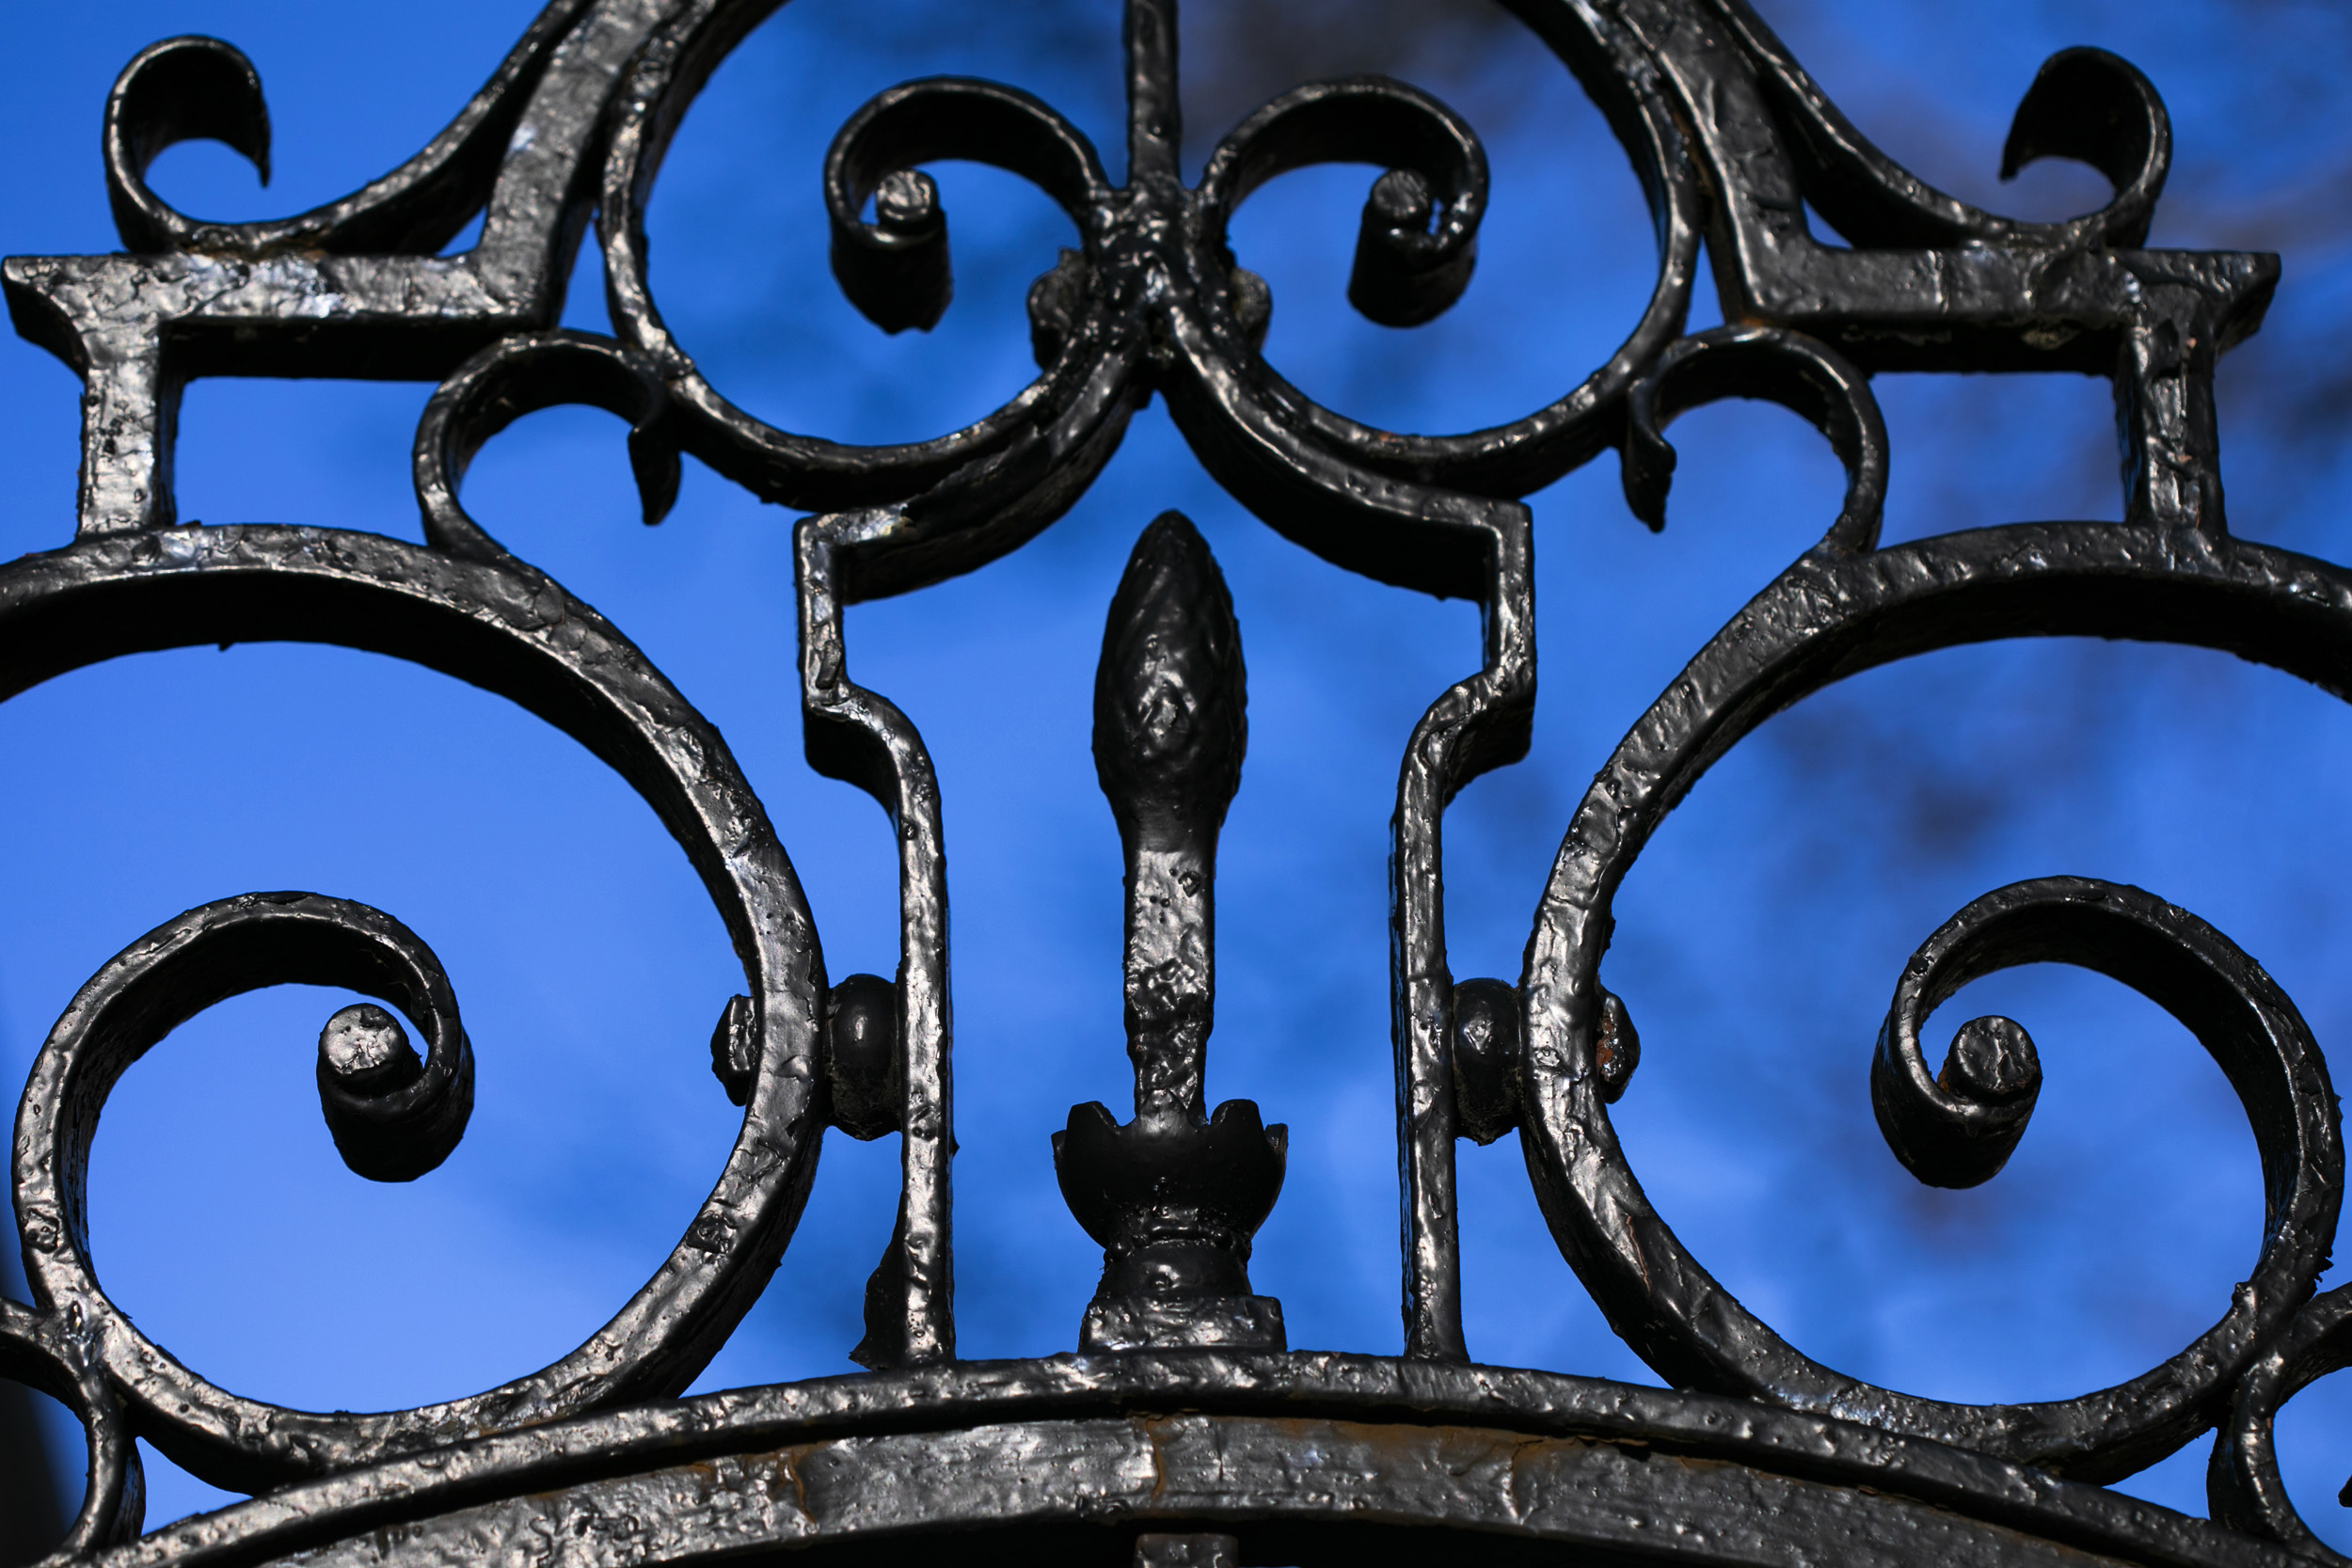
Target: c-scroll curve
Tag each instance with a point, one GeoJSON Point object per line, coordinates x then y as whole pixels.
{"type": "Point", "coordinates": [203, 88]}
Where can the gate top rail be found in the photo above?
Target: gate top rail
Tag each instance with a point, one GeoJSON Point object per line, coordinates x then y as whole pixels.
{"type": "Point", "coordinates": [1182, 1428]}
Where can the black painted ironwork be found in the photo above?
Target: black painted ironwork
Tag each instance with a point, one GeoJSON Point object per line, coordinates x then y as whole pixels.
{"type": "Point", "coordinates": [1181, 1431]}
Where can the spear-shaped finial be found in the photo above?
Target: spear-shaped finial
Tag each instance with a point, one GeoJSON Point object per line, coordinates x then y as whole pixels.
{"type": "Point", "coordinates": [1170, 723]}
{"type": "Point", "coordinates": [1172, 1197]}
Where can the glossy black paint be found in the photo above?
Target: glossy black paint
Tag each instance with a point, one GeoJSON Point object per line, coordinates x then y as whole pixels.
{"type": "Point", "coordinates": [1184, 1432]}
{"type": "Point", "coordinates": [1174, 1195]}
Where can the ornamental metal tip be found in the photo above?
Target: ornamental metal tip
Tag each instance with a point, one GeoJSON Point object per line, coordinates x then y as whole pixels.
{"type": "Point", "coordinates": [1172, 1197]}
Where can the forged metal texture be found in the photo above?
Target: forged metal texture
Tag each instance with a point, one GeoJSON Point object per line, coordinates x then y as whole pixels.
{"type": "Point", "coordinates": [1185, 1435]}
{"type": "Point", "coordinates": [1306, 1457]}
{"type": "Point", "coordinates": [1835, 612]}
{"type": "Point", "coordinates": [858, 736]}
{"type": "Point", "coordinates": [38, 1350]}
{"type": "Point", "coordinates": [1169, 730]}
{"type": "Point", "coordinates": [1174, 1195]}
{"type": "Point", "coordinates": [1287, 1482]}
{"type": "Point", "coordinates": [2243, 1479]}
{"type": "Point", "coordinates": [353, 289]}
{"type": "Point", "coordinates": [511, 630]}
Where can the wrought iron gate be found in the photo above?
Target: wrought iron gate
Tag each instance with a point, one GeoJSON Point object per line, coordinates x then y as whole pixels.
{"type": "Point", "coordinates": [1182, 1429]}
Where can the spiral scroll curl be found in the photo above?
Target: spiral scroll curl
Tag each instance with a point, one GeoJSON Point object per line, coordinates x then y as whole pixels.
{"type": "Point", "coordinates": [1434, 173]}
{"type": "Point", "coordinates": [1152, 297]}
{"type": "Point", "coordinates": [1419, 237]}
{"type": "Point", "coordinates": [522, 375]}
{"type": "Point", "coordinates": [393, 1118]}
{"type": "Point", "coordinates": [891, 267]}
{"type": "Point", "coordinates": [1154, 300]}
{"type": "Point", "coordinates": [1955, 1127]}
{"type": "Point", "coordinates": [1799, 372]}
{"type": "Point", "coordinates": [2084, 104]}
{"type": "Point", "coordinates": [505, 628]}
{"type": "Point", "coordinates": [201, 89]}
{"type": "Point", "coordinates": [1834, 612]}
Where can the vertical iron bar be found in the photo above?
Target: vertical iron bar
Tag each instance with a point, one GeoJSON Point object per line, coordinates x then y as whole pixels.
{"type": "Point", "coordinates": [860, 736]}
{"type": "Point", "coordinates": [1477, 724]}
{"type": "Point", "coordinates": [1155, 119]}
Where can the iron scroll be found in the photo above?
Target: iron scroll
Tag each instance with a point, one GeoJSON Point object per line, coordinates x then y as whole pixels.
{"type": "Point", "coordinates": [1182, 1428]}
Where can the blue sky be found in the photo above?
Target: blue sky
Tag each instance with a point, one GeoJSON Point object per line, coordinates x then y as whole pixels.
{"type": "Point", "coordinates": [1757, 939]}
